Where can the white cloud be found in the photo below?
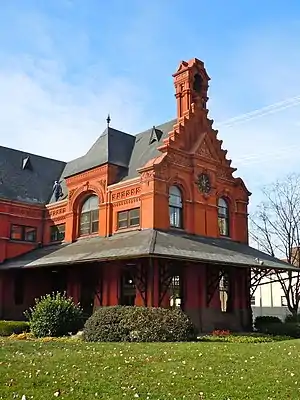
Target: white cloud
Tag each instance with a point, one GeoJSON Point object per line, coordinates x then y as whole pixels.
{"type": "Point", "coordinates": [54, 102]}
{"type": "Point", "coordinates": [43, 114]}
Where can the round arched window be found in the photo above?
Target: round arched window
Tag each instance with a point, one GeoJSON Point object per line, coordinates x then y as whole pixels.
{"type": "Point", "coordinates": [175, 207]}
{"type": "Point", "coordinates": [223, 217]}
{"type": "Point", "coordinates": [89, 216]}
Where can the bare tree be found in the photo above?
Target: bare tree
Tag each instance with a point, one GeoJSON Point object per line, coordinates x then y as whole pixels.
{"type": "Point", "coordinates": [275, 226]}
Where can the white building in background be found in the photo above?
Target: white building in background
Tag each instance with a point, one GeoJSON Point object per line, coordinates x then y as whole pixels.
{"type": "Point", "coordinates": [269, 299]}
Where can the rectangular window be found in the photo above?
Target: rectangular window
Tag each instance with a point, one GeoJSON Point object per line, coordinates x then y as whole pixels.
{"type": "Point", "coordinates": [283, 301]}
{"type": "Point", "coordinates": [129, 218]}
{"type": "Point", "coordinates": [16, 232]}
{"type": "Point", "coordinates": [175, 217]}
{"type": "Point", "coordinates": [252, 300]}
{"type": "Point", "coordinates": [23, 233]}
{"type": "Point", "coordinates": [29, 234]}
{"type": "Point", "coordinates": [57, 233]}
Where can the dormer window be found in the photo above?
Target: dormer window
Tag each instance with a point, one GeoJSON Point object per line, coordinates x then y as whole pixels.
{"type": "Point", "coordinates": [26, 164]}
{"type": "Point", "coordinates": [155, 136]}
{"type": "Point", "coordinates": [89, 216]}
{"type": "Point", "coordinates": [175, 207]}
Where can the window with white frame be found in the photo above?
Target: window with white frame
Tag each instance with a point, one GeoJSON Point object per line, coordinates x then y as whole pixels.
{"type": "Point", "coordinates": [175, 207]}
{"type": "Point", "coordinates": [89, 217]}
{"type": "Point", "coordinates": [223, 217]}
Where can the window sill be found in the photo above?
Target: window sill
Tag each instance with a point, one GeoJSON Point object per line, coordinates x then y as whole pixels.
{"type": "Point", "coordinates": [89, 235]}
{"type": "Point", "coordinates": [123, 230]}
{"type": "Point", "coordinates": [56, 241]}
{"type": "Point", "coordinates": [225, 237]}
{"type": "Point", "coordinates": [175, 229]}
{"type": "Point", "coordinates": [22, 241]}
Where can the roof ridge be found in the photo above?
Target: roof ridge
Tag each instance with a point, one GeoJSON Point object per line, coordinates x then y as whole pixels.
{"type": "Point", "coordinates": [31, 154]}
{"type": "Point", "coordinates": [156, 126]}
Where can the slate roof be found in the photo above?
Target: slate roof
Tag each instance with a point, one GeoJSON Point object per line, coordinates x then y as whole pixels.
{"type": "Point", "coordinates": [143, 151]}
{"type": "Point", "coordinates": [148, 243]}
{"type": "Point", "coordinates": [27, 177]}
{"type": "Point", "coordinates": [119, 148]}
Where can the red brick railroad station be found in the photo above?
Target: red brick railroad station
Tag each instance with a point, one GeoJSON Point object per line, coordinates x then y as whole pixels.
{"type": "Point", "coordinates": [154, 219]}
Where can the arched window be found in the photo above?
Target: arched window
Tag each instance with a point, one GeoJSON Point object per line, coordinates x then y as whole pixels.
{"type": "Point", "coordinates": [223, 217]}
{"type": "Point", "coordinates": [175, 207]}
{"type": "Point", "coordinates": [89, 216]}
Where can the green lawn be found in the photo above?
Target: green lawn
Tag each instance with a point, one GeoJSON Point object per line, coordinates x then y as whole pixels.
{"type": "Point", "coordinates": [149, 371]}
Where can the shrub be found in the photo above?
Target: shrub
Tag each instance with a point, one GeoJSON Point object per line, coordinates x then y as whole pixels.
{"type": "Point", "coordinates": [292, 318]}
{"type": "Point", "coordinates": [138, 324]}
{"type": "Point", "coordinates": [262, 324]}
{"type": "Point", "coordinates": [54, 315]}
{"type": "Point", "coordinates": [8, 328]}
{"type": "Point", "coordinates": [291, 329]}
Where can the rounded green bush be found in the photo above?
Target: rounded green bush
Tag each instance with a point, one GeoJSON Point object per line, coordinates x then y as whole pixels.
{"type": "Point", "coordinates": [138, 324]}
{"type": "Point", "coordinates": [262, 324]}
{"type": "Point", "coordinates": [7, 328]}
{"type": "Point", "coordinates": [54, 315]}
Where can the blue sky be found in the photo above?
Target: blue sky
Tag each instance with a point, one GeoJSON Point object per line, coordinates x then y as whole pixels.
{"type": "Point", "coordinates": [64, 64]}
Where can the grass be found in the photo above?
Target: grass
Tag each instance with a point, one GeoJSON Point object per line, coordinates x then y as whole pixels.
{"type": "Point", "coordinates": [222, 371]}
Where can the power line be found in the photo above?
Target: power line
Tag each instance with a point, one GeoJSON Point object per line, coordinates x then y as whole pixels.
{"type": "Point", "coordinates": [261, 112]}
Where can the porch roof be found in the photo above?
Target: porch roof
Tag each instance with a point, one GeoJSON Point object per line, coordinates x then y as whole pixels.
{"type": "Point", "coordinates": [147, 243]}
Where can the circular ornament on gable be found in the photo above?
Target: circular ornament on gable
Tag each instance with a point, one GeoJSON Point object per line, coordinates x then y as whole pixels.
{"type": "Point", "coordinates": [203, 183]}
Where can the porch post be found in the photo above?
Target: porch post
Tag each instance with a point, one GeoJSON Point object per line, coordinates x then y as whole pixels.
{"type": "Point", "coordinates": [73, 284]}
{"type": "Point", "coordinates": [215, 302]}
{"type": "Point", "coordinates": [111, 284]}
{"type": "Point", "coordinates": [192, 293]}
{"type": "Point", "coordinates": [153, 283]}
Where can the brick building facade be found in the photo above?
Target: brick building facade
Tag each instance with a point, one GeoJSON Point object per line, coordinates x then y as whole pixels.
{"type": "Point", "coordinates": [155, 219]}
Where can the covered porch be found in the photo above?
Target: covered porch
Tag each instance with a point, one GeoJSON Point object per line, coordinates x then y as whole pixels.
{"type": "Point", "coordinates": [208, 278]}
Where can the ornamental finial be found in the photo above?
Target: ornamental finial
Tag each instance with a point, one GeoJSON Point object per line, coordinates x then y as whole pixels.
{"type": "Point", "coordinates": [108, 120]}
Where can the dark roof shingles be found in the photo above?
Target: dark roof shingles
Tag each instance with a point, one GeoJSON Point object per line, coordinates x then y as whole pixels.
{"type": "Point", "coordinates": [119, 148]}
{"type": "Point", "coordinates": [34, 183]}
{"type": "Point", "coordinates": [148, 243]}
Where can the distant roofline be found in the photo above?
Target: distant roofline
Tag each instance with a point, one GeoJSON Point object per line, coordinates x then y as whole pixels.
{"type": "Point", "coordinates": [76, 158]}
{"type": "Point", "coordinates": [33, 154]}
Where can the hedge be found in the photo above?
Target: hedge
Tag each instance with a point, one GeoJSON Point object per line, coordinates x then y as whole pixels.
{"type": "Point", "coordinates": [138, 324]}
{"type": "Point", "coordinates": [262, 324]}
{"type": "Point", "coordinates": [274, 326]}
{"type": "Point", "coordinates": [8, 328]}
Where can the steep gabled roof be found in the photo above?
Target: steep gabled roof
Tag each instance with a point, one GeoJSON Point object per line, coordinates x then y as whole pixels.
{"type": "Point", "coordinates": [27, 177]}
{"type": "Point", "coordinates": [113, 147]}
{"type": "Point", "coordinates": [119, 148]}
{"type": "Point", "coordinates": [144, 151]}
